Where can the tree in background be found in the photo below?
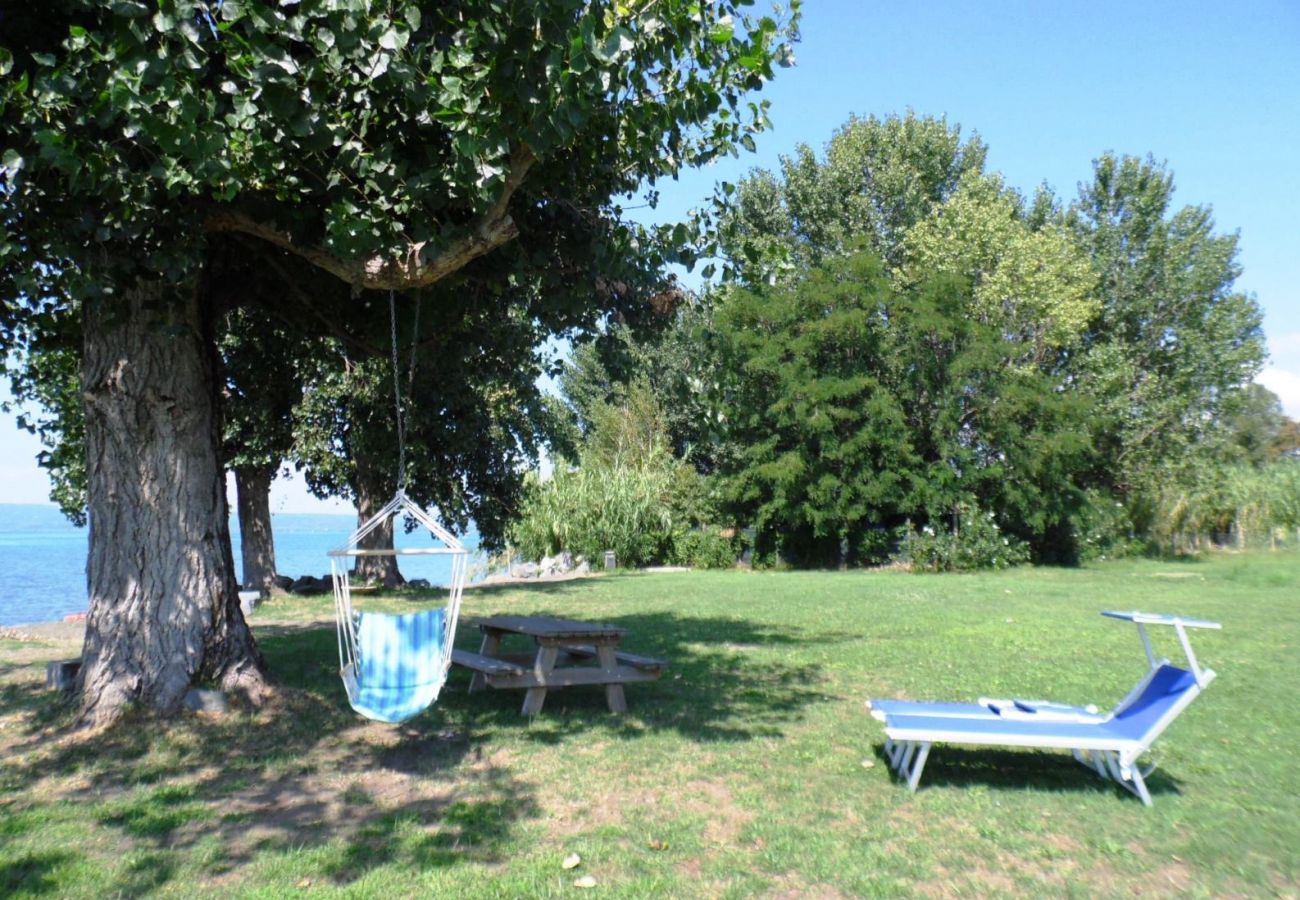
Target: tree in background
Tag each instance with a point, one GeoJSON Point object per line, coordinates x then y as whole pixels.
{"type": "Point", "coordinates": [262, 374]}
{"type": "Point", "coordinates": [1173, 345]}
{"type": "Point", "coordinates": [394, 148]}
{"type": "Point", "coordinates": [43, 369]}
{"type": "Point", "coordinates": [826, 452]}
{"type": "Point", "coordinates": [1259, 431]}
{"type": "Point", "coordinates": [878, 178]}
{"type": "Point", "coordinates": [474, 417]}
{"type": "Point", "coordinates": [1031, 282]}
{"type": "Point", "coordinates": [675, 361]}
{"type": "Point", "coordinates": [909, 190]}
{"type": "Point", "coordinates": [861, 405]}
{"type": "Point", "coordinates": [1119, 302]}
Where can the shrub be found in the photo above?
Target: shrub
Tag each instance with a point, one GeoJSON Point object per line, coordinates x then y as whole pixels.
{"type": "Point", "coordinates": [978, 543]}
{"type": "Point", "coordinates": [1103, 530]}
{"type": "Point", "coordinates": [628, 494]}
{"type": "Point", "coordinates": [878, 545]}
{"type": "Point", "coordinates": [704, 549]}
{"type": "Point", "coordinates": [593, 509]}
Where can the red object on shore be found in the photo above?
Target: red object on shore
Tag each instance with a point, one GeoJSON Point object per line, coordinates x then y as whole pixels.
{"type": "Point", "coordinates": [75, 617]}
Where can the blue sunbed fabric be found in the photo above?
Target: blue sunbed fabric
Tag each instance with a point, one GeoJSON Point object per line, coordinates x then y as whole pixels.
{"type": "Point", "coordinates": [1162, 692]}
{"type": "Point", "coordinates": [1132, 726]}
{"type": "Point", "coordinates": [400, 665]}
{"type": "Point", "coordinates": [923, 708]}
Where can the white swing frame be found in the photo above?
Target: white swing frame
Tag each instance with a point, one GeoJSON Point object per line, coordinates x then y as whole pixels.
{"type": "Point", "coordinates": [345, 618]}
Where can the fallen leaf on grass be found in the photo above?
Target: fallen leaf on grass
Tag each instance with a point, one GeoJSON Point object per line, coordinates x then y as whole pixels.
{"type": "Point", "coordinates": [868, 764]}
{"type": "Point", "coordinates": [305, 883]}
{"type": "Point", "coordinates": [657, 844]}
{"type": "Point", "coordinates": [586, 881]}
{"type": "Point", "coordinates": [571, 861]}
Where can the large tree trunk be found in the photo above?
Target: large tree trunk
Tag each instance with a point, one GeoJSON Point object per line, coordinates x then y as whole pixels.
{"type": "Point", "coordinates": [373, 494]}
{"type": "Point", "coordinates": [256, 543]}
{"type": "Point", "coordinates": [164, 605]}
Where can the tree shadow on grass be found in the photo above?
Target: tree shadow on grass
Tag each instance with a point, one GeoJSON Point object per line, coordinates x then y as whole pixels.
{"type": "Point", "coordinates": [45, 708]}
{"type": "Point", "coordinates": [727, 679]}
{"type": "Point", "coordinates": [1024, 771]}
{"type": "Point", "coordinates": [305, 772]}
{"type": "Point", "coordinates": [33, 874]}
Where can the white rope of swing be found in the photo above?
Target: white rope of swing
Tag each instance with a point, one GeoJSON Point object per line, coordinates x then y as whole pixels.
{"type": "Point", "coordinates": [344, 619]}
{"type": "Point", "coordinates": [397, 382]}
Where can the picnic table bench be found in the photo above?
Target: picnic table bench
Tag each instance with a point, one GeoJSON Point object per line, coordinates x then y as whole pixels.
{"type": "Point", "coordinates": [564, 657]}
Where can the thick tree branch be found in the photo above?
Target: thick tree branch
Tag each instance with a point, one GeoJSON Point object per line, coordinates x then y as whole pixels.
{"type": "Point", "coordinates": [412, 269]}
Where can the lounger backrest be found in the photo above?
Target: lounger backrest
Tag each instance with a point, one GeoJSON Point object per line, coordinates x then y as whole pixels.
{"type": "Point", "coordinates": [1165, 696]}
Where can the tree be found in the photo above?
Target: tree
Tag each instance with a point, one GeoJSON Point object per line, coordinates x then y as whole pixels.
{"type": "Point", "coordinates": [860, 405]}
{"type": "Point", "coordinates": [43, 368]}
{"type": "Point", "coordinates": [1173, 343]}
{"type": "Point", "coordinates": [826, 452]}
{"type": "Point", "coordinates": [878, 179]}
{"type": "Point", "coordinates": [1033, 283]}
{"type": "Point", "coordinates": [393, 146]}
{"type": "Point", "coordinates": [1256, 425]}
{"type": "Point", "coordinates": [676, 362]}
{"type": "Point", "coordinates": [262, 385]}
{"type": "Point", "coordinates": [988, 404]}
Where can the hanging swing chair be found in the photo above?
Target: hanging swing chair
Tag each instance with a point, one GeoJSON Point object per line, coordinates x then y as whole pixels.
{"type": "Point", "coordinates": [394, 665]}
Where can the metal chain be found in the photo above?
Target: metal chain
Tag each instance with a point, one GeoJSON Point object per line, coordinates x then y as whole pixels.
{"type": "Point", "coordinates": [397, 381]}
{"type": "Point", "coordinates": [415, 342]}
{"type": "Point", "coordinates": [397, 396]}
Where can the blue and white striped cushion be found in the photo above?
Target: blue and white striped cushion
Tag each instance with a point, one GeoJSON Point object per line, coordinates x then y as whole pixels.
{"type": "Point", "coordinates": [399, 664]}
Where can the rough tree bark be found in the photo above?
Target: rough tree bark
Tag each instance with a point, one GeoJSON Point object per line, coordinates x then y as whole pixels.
{"type": "Point", "coordinates": [164, 605]}
{"type": "Point", "coordinates": [256, 543]}
{"type": "Point", "coordinates": [373, 493]}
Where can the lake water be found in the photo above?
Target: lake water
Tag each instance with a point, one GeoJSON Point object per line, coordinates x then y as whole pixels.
{"type": "Point", "coordinates": [43, 557]}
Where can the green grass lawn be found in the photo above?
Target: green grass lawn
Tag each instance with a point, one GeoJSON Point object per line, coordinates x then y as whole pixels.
{"type": "Point", "coordinates": [750, 768]}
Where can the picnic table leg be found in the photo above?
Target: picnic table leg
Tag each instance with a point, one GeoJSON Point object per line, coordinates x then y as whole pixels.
{"type": "Point", "coordinates": [542, 667]}
{"type": "Point", "coordinates": [491, 645]}
{"type": "Point", "coordinates": [613, 690]}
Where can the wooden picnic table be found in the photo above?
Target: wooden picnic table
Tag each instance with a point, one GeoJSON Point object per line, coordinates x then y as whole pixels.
{"type": "Point", "coordinates": [567, 653]}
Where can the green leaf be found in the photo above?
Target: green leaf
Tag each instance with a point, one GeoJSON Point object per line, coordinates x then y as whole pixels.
{"type": "Point", "coordinates": [723, 31]}
{"type": "Point", "coordinates": [13, 161]}
{"type": "Point", "coordinates": [617, 43]}
{"type": "Point", "coordinates": [131, 9]}
{"type": "Point", "coordinates": [392, 39]}
{"type": "Point", "coordinates": [45, 59]}
{"type": "Point", "coordinates": [6, 61]}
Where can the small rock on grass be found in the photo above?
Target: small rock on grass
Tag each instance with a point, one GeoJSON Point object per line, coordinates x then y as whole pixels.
{"type": "Point", "coordinates": [205, 701]}
{"type": "Point", "coordinates": [586, 881]}
{"type": "Point", "coordinates": [571, 861]}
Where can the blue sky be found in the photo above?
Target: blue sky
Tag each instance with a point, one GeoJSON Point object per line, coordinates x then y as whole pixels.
{"type": "Point", "coordinates": [1213, 89]}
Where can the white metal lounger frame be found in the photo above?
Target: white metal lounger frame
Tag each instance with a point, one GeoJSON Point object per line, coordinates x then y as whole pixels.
{"type": "Point", "coordinates": [1116, 760]}
{"type": "Point", "coordinates": [346, 622]}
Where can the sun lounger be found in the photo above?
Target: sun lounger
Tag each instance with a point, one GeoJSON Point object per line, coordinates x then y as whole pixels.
{"type": "Point", "coordinates": [987, 708]}
{"type": "Point", "coordinates": [1110, 744]}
